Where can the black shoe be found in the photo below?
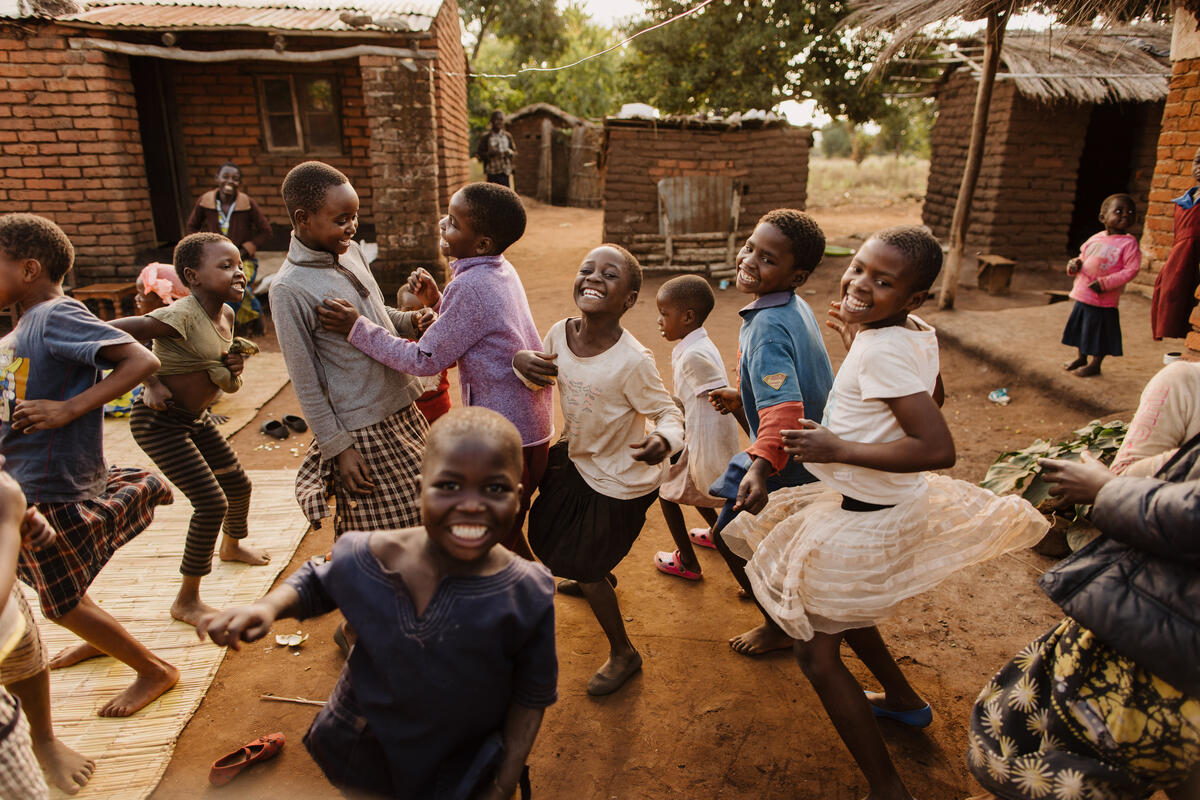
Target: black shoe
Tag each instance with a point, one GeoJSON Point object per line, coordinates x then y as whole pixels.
{"type": "Point", "coordinates": [274, 428]}
{"type": "Point", "coordinates": [295, 423]}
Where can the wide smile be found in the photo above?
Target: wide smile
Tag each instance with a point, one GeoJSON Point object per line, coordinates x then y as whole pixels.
{"type": "Point", "coordinates": [469, 534]}
{"type": "Point", "coordinates": [590, 292]}
{"type": "Point", "coordinates": [854, 305]}
{"type": "Point", "coordinates": [745, 277]}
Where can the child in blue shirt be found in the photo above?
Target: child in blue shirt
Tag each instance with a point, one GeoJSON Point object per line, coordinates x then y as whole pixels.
{"type": "Point", "coordinates": [784, 375]}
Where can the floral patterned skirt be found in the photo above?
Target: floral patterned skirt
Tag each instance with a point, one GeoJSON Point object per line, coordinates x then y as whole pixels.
{"type": "Point", "coordinates": [1071, 719]}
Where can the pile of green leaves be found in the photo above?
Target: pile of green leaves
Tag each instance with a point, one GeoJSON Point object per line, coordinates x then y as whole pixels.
{"type": "Point", "coordinates": [1017, 472]}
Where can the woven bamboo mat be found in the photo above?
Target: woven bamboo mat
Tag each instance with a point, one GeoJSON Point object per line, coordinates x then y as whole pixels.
{"type": "Point", "coordinates": [137, 588]}
{"type": "Point", "coordinates": [265, 376]}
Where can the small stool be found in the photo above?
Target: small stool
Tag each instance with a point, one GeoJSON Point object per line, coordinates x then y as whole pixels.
{"type": "Point", "coordinates": [995, 273]}
{"type": "Point", "coordinates": [105, 295]}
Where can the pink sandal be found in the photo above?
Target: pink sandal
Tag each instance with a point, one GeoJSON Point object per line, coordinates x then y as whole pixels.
{"type": "Point", "coordinates": [702, 537]}
{"type": "Point", "coordinates": [671, 564]}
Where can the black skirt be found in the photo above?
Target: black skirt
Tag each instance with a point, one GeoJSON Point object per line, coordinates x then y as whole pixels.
{"type": "Point", "coordinates": [1094, 330]}
{"type": "Point", "coordinates": [576, 531]}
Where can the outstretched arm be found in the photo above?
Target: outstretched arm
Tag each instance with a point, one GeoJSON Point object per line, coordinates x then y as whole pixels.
{"type": "Point", "coordinates": [133, 363]}
{"type": "Point", "coordinates": [145, 328]}
{"type": "Point", "coordinates": [231, 627]}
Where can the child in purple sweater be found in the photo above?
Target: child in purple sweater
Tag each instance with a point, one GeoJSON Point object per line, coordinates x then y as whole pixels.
{"type": "Point", "coordinates": [484, 319]}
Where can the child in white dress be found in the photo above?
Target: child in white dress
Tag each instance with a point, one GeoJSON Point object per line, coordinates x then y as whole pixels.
{"type": "Point", "coordinates": [829, 560]}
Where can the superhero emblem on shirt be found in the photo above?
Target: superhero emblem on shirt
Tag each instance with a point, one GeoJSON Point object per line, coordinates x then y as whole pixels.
{"type": "Point", "coordinates": [14, 373]}
{"type": "Point", "coordinates": [775, 380]}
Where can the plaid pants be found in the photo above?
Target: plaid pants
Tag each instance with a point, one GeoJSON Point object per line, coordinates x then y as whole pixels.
{"type": "Point", "coordinates": [20, 775]}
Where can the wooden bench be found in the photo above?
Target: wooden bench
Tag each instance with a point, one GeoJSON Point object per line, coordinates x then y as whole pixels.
{"type": "Point", "coordinates": [995, 273]}
{"type": "Point", "coordinates": [108, 297]}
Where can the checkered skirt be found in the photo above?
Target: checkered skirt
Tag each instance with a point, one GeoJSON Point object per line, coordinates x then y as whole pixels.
{"type": "Point", "coordinates": [89, 532]}
{"type": "Point", "coordinates": [393, 449]}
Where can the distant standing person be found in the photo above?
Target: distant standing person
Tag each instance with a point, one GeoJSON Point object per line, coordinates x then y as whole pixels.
{"type": "Point", "coordinates": [497, 151]}
{"type": "Point", "coordinates": [1175, 287]}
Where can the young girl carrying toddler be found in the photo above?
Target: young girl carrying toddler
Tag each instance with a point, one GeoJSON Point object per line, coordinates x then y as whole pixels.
{"type": "Point", "coordinates": [827, 561]}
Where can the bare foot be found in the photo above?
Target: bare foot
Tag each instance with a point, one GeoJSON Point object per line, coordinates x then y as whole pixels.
{"type": "Point", "coordinates": [142, 691]}
{"type": "Point", "coordinates": [1087, 371]}
{"type": "Point", "coordinates": [233, 550]}
{"type": "Point", "coordinates": [70, 656]}
{"type": "Point", "coordinates": [880, 699]}
{"type": "Point", "coordinates": [191, 611]}
{"type": "Point", "coordinates": [64, 768]}
{"type": "Point", "coordinates": [1076, 364]}
{"type": "Point", "coordinates": [760, 640]}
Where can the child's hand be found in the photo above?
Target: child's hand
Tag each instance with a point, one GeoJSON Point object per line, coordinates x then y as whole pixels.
{"type": "Point", "coordinates": [231, 627]}
{"type": "Point", "coordinates": [423, 318]}
{"type": "Point", "coordinates": [811, 442]}
{"type": "Point", "coordinates": [1074, 266]}
{"type": "Point", "coordinates": [155, 395]}
{"type": "Point", "coordinates": [653, 449]}
{"type": "Point", "coordinates": [727, 400]}
{"type": "Point", "coordinates": [40, 415]}
{"type": "Point", "coordinates": [36, 531]}
{"type": "Point", "coordinates": [1096, 287]}
{"type": "Point", "coordinates": [235, 361]}
{"type": "Point", "coordinates": [752, 491]}
{"type": "Point", "coordinates": [1076, 482]}
{"type": "Point", "coordinates": [537, 368]}
{"type": "Point", "coordinates": [424, 287]}
{"type": "Point", "coordinates": [847, 330]}
{"type": "Point", "coordinates": [355, 472]}
{"type": "Point", "coordinates": [337, 315]}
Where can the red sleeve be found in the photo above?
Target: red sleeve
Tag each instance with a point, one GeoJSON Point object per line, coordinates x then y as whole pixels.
{"type": "Point", "coordinates": [771, 422]}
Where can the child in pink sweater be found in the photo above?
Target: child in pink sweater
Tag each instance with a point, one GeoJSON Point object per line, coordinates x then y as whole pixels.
{"type": "Point", "coordinates": [1106, 262]}
{"type": "Point", "coordinates": [484, 320]}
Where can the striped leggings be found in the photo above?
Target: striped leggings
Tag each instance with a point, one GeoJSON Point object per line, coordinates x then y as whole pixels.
{"type": "Point", "coordinates": [194, 456]}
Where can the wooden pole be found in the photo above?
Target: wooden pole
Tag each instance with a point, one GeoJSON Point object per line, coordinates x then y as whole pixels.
{"type": "Point", "coordinates": [997, 21]}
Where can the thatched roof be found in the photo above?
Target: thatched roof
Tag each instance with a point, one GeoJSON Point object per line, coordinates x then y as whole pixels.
{"type": "Point", "coordinates": [1086, 65]}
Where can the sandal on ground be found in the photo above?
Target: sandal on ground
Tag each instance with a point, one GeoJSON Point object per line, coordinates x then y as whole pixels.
{"type": "Point", "coordinates": [274, 428]}
{"type": "Point", "coordinates": [914, 718]}
{"type": "Point", "coordinates": [672, 564]}
{"type": "Point", "coordinates": [295, 423]}
{"type": "Point", "coordinates": [570, 586]}
{"type": "Point", "coordinates": [601, 685]}
{"type": "Point", "coordinates": [702, 537]}
{"type": "Point", "coordinates": [226, 768]}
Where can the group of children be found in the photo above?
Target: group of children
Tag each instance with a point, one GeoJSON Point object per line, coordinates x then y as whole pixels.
{"type": "Point", "coordinates": [844, 521]}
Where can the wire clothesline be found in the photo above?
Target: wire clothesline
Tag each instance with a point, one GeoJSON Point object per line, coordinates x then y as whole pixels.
{"type": "Point", "coordinates": [621, 43]}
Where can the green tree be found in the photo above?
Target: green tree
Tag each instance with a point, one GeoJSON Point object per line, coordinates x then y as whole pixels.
{"type": "Point", "coordinates": [837, 139]}
{"type": "Point", "coordinates": [535, 26]}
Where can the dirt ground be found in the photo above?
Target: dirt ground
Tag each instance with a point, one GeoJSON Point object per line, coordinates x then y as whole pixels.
{"type": "Point", "coordinates": [700, 721]}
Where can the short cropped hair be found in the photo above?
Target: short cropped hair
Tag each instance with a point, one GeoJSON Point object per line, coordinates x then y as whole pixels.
{"type": "Point", "coordinates": [921, 250]}
{"type": "Point", "coordinates": [474, 422]}
{"type": "Point", "coordinates": [229, 164]}
{"type": "Point", "coordinates": [690, 292]}
{"type": "Point", "coordinates": [496, 211]}
{"type": "Point", "coordinates": [631, 263]}
{"type": "Point", "coordinates": [30, 236]}
{"type": "Point", "coordinates": [190, 251]}
{"type": "Point", "coordinates": [307, 184]}
{"type": "Point", "coordinates": [806, 236]}
{"type": "Point", "coordinates": [1112, 198]}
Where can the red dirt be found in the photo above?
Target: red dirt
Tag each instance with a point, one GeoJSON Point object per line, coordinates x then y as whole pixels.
{"type": "Point", "coordinates": [701, 721]}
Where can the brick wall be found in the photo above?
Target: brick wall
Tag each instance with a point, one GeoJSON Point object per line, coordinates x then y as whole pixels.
{"type": "Point", "coordinates": [527, 135]}
{"type": "Point", "coordinates": [224, 125]}
{"type": "Point", "coordinates": [70, 148]}
{"type": "Point", "coordinates": [404, 168]}
{"type": "Point", "coordinates": [771, 163]}
{"type": "Point", "coordinates": [450, 92]}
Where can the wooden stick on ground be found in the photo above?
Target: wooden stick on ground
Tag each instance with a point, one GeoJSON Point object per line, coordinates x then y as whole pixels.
{"type": "Point", "coordinates": [303, 701]}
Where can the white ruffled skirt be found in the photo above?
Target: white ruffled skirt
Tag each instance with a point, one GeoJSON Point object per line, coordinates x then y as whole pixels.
{"type": "Point", "coordinates": [816, 567]}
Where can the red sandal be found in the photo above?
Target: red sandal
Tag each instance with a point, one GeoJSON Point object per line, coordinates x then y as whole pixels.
{"type": "Point", "coordinates": [671, 564]}
{"type": "Point", "coordinates": [226, 768]}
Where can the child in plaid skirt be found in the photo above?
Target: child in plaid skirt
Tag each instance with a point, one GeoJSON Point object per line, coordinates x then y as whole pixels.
{"type": "Point", "coordinates": [51, 434]}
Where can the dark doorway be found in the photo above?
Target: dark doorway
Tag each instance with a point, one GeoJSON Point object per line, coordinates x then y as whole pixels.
{"type": "Point", "coordinates": [560, 157]}
{"type": "Point", "coordinates": [1104, 168]}
{"type": "Point", "coordinates": [154, 90]}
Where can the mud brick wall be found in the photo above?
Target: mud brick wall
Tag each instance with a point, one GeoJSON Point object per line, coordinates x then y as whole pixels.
{"type": "Point", "coordinates": [450, 92]}
{"type": "Point", "coordinates": [527, 135]}
{"type": "Point", "coordinates": [771, 163]}
{"type": "Point", "coordinates": [70, 148]}
{"type": "Point", "coordinates": [224, 125]}
{"type": "Point", "coordinates": [404, 168]}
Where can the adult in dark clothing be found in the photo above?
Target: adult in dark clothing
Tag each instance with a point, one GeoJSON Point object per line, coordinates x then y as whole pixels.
{"type": "Point", "coordinates": [497, 151]}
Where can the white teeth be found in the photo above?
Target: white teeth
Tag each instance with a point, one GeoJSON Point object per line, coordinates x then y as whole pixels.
{"type": "Point", "coordinates": [591, 293]}
{"type": "Point", "coordinates": [744, 277]}
{"type": "Point", "coordinates": [851, 304]}
{"type": "Point", "coordinates": [469, 532]}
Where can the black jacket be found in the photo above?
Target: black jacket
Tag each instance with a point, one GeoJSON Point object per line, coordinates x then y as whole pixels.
{"type": "Point", "coordinates": [1138, 586]}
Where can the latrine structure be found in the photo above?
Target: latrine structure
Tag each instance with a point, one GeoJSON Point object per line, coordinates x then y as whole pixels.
{"type": "Point", "coordinates": [558, 156]}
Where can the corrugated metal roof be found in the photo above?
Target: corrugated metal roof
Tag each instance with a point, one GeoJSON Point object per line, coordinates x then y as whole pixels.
{"type": "Point", "coordinates": [281, 15]}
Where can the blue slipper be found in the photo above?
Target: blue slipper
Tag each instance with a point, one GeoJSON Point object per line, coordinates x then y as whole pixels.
{"type": "Point", "coordinates": [916, 718]}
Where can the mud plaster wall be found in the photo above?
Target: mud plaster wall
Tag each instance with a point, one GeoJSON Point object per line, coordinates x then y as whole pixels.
{"type": "Point", "coordinates": [771, 163]}
{"type": "Point", "coordinates": [527, 136]}
{"type": "Point", "coordinates": [70, 149]}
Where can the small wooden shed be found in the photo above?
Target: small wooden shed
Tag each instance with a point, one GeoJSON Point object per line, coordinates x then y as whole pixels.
{"type": "Point", "coordinates": [557, 156]}
{"type": "Point", "coordinates": [1075, 117]}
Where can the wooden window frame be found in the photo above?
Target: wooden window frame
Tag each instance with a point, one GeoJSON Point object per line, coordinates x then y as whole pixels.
{"type": "Point", "coordinates": [298, 117]}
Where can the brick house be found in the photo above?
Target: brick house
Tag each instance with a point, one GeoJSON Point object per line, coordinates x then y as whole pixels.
{"type": "Point", "coordinates": [557, 156]}
{"type": "Point", "coordinates": [1177, 146]}
{"type": "Point", "coordinates": [769, 159]}
{"type": "Point", "coordinates": [115, 117]}
{"type": "Point", "coordinates": [1074, 118]}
